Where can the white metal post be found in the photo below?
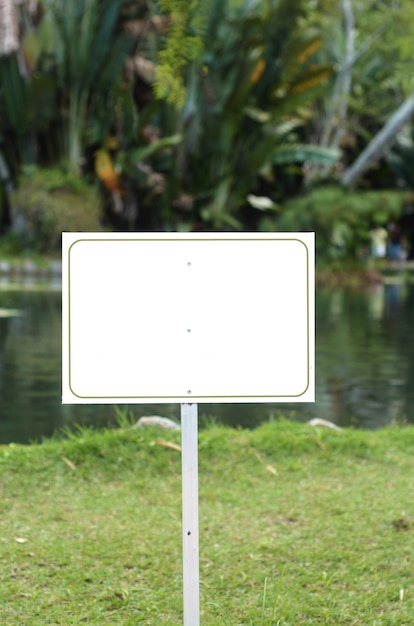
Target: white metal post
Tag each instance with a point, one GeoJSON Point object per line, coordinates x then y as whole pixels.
{"type": "Point", "coordinates": [189, 456]}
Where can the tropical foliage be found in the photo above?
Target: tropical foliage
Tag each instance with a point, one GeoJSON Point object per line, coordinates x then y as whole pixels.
{"type": "Point", "coordinates": [342, 219]}
{"type": "Point", "coordinates": [205, 114]}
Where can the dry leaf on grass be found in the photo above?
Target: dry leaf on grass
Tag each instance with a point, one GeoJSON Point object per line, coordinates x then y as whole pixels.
{"type": "Point", "coordinates": [272, 470]}
{"type": "Point", "coordinates": [68, 462]}
{"type": "Point", "coordinates": [169, 444]}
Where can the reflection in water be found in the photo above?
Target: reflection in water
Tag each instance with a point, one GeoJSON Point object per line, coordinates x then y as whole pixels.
{"type": "Point", "coordinates": [30, 366]}
{"type": "Point", "coordinates": [364, 365]}
{"type": "Point", "coordinates": [365, 355]}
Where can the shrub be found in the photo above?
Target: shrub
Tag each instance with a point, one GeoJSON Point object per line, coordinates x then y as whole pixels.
{"type": "Point", "coordinates": [49, 201]}
{"type": "Point", "coordinates": [341, 219]}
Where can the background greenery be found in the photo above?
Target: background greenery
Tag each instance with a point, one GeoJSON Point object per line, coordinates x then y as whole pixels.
{"type": "Point", "coordinates": [207, 115]}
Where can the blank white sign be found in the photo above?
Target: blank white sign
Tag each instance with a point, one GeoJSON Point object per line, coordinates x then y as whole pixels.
{"type": "Point", "coordinates": [186, 318]}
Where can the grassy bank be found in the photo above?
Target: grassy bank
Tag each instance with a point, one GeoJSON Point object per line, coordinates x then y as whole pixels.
{"type": "Point", "coordinates": [297, 526]}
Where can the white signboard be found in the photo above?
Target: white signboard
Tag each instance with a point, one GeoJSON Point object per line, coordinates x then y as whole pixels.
{"type": "Point", "coordinates": [188, 318]}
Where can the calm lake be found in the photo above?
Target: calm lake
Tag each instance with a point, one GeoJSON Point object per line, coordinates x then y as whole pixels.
{"type": "Point", "coordinates": [364, 365]}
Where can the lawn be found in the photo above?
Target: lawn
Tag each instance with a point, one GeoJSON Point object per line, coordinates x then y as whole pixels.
{"type": "Point", "coordinates": [297, 526]}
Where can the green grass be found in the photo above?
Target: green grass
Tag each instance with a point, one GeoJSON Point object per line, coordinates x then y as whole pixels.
{"type": "Point", "coordinates": [297, 526]}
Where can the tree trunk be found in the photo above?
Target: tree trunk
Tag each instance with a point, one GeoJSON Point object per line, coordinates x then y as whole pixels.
{"type": "Point", "coordinates": [5, 176]}
{"type": "Point", "coordinates": [9, 27]}
{"type": "Point", "coordinates": [333, 131]}
{"type": "Point", "coordinates": [333, 128]}
{"type": "Point", "coordinates": [380, 143]}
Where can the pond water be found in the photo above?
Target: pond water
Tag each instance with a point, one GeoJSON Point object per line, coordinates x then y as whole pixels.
{"type": "Point", "coordinates": [364, 365]}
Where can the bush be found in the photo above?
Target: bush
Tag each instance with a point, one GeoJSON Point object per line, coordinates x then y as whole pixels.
{"type": "Point", "coordinates": [341, 219]}
{"type": "Point", "coordinates": [49, 201]}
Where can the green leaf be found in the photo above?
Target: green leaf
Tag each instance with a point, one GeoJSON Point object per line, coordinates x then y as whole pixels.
{"type": "Point", "coordinates": [14, 94]}
{"type": "Point", "coordinates": [144, 153]}
{"type": "Point", "coordinates": [262, 203]}
{"type": "Point", "coordinates": [298, 153]}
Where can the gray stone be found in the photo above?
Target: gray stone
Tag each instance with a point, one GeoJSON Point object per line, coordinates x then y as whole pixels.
{"type": "Point", "coordinates": [317, 421]}
{"type": "Point", "coordinates": [159, 422]}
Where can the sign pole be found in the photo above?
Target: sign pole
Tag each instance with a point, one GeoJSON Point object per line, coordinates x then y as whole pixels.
{"type": "Point", "coordinates": [189, 457]}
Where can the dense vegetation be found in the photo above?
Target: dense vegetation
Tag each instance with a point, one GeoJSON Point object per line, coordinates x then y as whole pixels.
{"type": "Point", "coordinates": [206, 115]}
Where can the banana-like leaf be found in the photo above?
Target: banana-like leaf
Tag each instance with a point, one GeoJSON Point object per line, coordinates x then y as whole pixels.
{"type": "Point", "coordinates": [313, 76]}
{"type": "Point", "coordinates": [309, 50]}
{"type": "Point", "coordinates": [263, 117]}
{"type": "Point", "coordinates": [144, 153]}
{"type": "Point", "coordinates": [220, 219]}
{"type": "Point", "coordinates": [298, 153]}
{"type": "Point", "coordinates": [88, 50]}
{"type": "Point", "coordinates": [13, 94]}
